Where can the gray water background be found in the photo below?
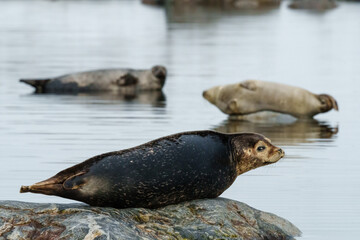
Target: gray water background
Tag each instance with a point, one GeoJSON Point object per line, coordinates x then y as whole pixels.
{"type": "Point", "coordinates": [316, 186]}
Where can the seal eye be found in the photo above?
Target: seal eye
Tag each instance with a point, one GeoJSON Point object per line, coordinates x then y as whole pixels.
{"type": "Point", "coordinates": [261, 148]}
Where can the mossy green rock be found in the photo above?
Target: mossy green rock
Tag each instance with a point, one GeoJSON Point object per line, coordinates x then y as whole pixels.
{"type": "Point", "coordinates": [200, 219]}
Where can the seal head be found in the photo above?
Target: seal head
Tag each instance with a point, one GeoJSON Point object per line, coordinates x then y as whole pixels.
{"type": "Point", "coordinates": [160, 73]}
{"type": "Point", "coordinates": [253, 150]}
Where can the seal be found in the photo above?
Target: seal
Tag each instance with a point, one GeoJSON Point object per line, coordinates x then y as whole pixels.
{"type": "Point", "coordinates": [253, 96]}
{"type": "Point", "coordinates": [168, 170]}
{"type": "Point", "coordinates": [116, 80]}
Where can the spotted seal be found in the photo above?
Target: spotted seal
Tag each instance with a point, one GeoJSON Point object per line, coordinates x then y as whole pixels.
{"type": "Point", "coordinates": [116, 80]}
{"type": "Point", "coordinates": [168, 170]}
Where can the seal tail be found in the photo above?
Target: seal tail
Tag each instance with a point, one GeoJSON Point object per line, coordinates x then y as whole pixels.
{"type": "Point", "coordinates": [38, 84]}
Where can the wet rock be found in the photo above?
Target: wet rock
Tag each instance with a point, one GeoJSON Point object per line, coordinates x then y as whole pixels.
{"type": "Point", "coordinates": [313, 4]}
{"type": "Point", "coordinates": [199, 219]}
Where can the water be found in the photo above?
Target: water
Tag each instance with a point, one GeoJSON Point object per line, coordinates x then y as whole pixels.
{"type": "Point", "coordinates": [316, 186]}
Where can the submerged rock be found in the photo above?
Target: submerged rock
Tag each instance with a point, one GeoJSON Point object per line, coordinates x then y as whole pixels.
{"type": "Point", "coordinates": [199, 219]}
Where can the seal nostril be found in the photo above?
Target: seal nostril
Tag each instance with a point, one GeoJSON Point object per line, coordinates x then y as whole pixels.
{"type": "Point", "coordinates": [282, 152]}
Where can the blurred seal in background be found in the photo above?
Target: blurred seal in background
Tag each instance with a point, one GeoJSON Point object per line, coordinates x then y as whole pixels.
{"type": "Point", "coordinates": [121, 81]}
{"type": "Point", "coordinates": [253, 96]}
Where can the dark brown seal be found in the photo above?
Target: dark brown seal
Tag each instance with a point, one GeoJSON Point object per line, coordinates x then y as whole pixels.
{"type": "Point", "coordinates": [116, 80]}
{"type": "Point", "coordinates": [169, 170]}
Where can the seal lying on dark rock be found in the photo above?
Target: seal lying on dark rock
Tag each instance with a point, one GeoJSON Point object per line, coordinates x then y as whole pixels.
{"type": "Point", "coordinates": [117, 80]}
{"type": "Point", "coordinates": [169, 170]}
{"type": "Point", "coordinates": [253, 96]}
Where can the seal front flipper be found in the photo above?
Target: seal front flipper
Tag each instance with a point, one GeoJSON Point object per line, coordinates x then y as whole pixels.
{"type": "Point", "coordinates": [39, 84]}
{"type": "Point", "coordinates": [249, 85]}
{"type": "Point", "coordinates": [127, 80]}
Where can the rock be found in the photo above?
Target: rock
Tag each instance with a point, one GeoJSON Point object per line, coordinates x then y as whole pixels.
{"type": "Point", "coordinates": [313, 4]}
{"type": "Point", "coordinates": [199, 219]}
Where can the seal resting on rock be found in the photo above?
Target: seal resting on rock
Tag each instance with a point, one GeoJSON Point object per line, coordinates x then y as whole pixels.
{"type": "Point", "coordinates": [253, 96]}
{"type": "Point", "coordinates": [117, 80]}
{"type": "Point", "coordinates": [169, 170]}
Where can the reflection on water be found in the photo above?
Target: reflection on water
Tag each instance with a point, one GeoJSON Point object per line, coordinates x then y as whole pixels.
{"type": "Point", "coordinates": [210, 11]}
{"type": "Point", "coordinates": [152, 98]}
{"type": "Point", "coordinates": [298, 132]}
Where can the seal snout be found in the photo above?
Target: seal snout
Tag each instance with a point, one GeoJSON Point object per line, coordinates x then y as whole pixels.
{"type": "Point", "coordinates": [48, 187]}
{"type": "Point", "coordinates": [282, 152]}
{"type": "Point", "coordinates": [211, 94]}
{"type": "Point", "coordinates": [275, 156]}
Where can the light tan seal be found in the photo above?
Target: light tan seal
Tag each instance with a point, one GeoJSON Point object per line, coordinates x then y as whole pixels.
{"type": "Point", "coordinates": [253, 96]}
{"type": "Point", "coordinates": [168, 170]}
{"type": "Point", "coordinates": [115, 80]}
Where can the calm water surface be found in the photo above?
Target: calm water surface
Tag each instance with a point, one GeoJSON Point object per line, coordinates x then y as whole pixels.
{"type": "Point", "coordinates": [316, 186]}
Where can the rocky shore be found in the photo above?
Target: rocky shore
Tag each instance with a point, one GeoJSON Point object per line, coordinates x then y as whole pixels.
{"type": "Point", "coordinates": [200, 219]}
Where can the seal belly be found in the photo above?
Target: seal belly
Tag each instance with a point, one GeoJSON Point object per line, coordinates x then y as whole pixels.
{"type": "Point", "coordinates": [162, 172]}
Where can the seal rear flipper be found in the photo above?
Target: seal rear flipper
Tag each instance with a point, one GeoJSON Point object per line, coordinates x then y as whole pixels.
{"type": "Point", "coordinates": [39, 84]}
{"type": "Point", "coordinates": [333, 102]}
{"type": "Point", "coordinates": [48, 189]}
{"type": "Point", "coordinates": [329, 102]}
{"type": "Point", "coordinates": [52, 186]}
